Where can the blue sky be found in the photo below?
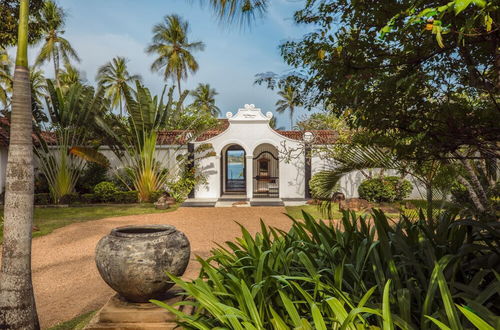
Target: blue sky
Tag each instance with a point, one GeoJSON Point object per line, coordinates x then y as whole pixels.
{"type": "Point", "coordinates": [102, 29]}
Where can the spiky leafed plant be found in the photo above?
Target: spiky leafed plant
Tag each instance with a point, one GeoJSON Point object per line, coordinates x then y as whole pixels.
{"type": "Point", "coordinates": [290, 99]}
{"type": "Point", "coordinates": [55, 47]}
{"type": "Point", "coordinates": [140, 162]}
{"type": "Point", "coordinates": [5, 77]}
{"type": "Point", "coordinates": [63, 151]}
{"type": "Point", "coordinates": [115, 79]}
{"type": "Point", "coordinates": [204, 99]}
{"type": "Point", "coordinates": [17, 301]}
{"type": "Point", "coordinates": [174, 51]}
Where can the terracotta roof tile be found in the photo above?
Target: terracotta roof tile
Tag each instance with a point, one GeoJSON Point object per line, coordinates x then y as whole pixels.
{"type": "Point", "coordinates": [180, 137]}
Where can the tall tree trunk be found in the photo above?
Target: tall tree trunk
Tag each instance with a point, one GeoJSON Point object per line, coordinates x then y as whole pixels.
{"type": "Point", "coordinates": [17, 302]}
{"type": "Point", "coordinates": [121, 107]}
{"type": "Point", "coordinates": [55, 57]}
{"type": "Point", "coordinates": [179, 85]}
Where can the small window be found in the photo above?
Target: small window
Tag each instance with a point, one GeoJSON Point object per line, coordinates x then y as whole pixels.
{"type": "Point", "coordinates": [263, 167]}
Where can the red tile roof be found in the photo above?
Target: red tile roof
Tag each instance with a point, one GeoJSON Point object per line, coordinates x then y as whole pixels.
{"type": "Point", "coordinates": [180, 137]}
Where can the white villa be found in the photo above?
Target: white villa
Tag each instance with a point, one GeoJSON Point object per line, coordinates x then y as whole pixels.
{"type": "Point", "coordinates": [248, 160]}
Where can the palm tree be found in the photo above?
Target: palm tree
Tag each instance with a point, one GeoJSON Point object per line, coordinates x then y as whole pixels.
{"type": "Point", "coordinates": [289, 100]}
{"type": "Point", "coordinates": [115, 79]}
{"type": "Point", "coordinates": [170, 43]}
{"type": "Point", "coordinates": [241, 11]}
{"type": "Point", "coordinates": [17, 302]}
{"type": "Point", "coordinates": [38, 85]}
{"type": "Point", "coordinates": [5, 77]}
{"type": "Point", "coordinates": [69, 76]}
{"type": "Point", "coordinates": [55, 46]}
{"type": "Point", "coordinates": [204, 99]}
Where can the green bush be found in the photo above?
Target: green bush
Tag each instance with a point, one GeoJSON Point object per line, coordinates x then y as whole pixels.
{"type": "Point", "coordinates": [69, 198]}
{"type": "Point", "coordinates": [359, 274]}
{"type": "Point", "coordinates": [92, 175]}
{"type": "Point", "coordinates": [104, 191]}
{"type": "Point", "coordinates": [387, 189]}
{"type": "Point", "coordinates": [41, 184]}
{"type": "Point", "coordinates": [180, 189]}
{"type": "Point", "coordinates": [125, 197]}
{"type": "Point", "coordinates": [88, 198]}
{"type": "Point", "coordinates": [42, 199]}
{"type": "Point", "coordinates": [155, 195]}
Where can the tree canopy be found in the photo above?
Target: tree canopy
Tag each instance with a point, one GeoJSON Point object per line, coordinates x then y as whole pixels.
{"type": "Point", "coordinates": [381, 66]}
{"type": "Point", "coordinates": [9, 12]}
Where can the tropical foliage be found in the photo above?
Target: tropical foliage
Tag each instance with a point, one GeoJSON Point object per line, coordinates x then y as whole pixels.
{"type": "Point", "coordinates": [289, 100]}
{"type": "Point", "coordinates": [115, 79]}
{"type": "Point", "coordinates": [174, 51]}
{"type": "Point", "coordinates": [55, 46]}
{"type": "Point", "coordinates": [142, 169]}
{"type": "Point", "coordinates": [362, 273]}
{"type": "Point", "coordinates": [385, 189]}
{"type": "Point", "coordinates": [63, 150]}
{"type": "Point", "coordinates": [423, 100]}
{"type": "Point", "coordinates": [204, 99]}
{"type": "Point", "coordinates": [9, 11]}
{"type": "Point", "coordinates": [5, 77]}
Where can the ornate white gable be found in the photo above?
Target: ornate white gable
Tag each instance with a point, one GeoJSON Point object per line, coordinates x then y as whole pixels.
{"type": "Point", "coordinates": [249, 113]}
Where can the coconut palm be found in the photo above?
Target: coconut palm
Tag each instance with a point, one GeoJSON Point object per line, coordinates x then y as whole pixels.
{"type": "Point", "coordinates": [38, 93]}
{"type": "Point", "coordinates": [52, 21]}
{"type": "Point", "coordinates": [17, 302]}
{"type": "Point", "coordinates": [5, 77]}
{"type": "Point", "coordinates": [240, 11]}
{"type": "Point", "coordinates": [171, 45]}
{"type": "Point", "coordinates": [204, 99]}
{"type": "Point", "coordinates": [69, 76]}
{"type": "Point", "coordinates": [289, 101]}
{"type": "Point", "coordinates": [38, 84]}
{"type": "Point", "coordinates": [115, 79]}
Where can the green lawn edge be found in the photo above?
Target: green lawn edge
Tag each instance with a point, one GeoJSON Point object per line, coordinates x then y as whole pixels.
{"type": "Point", "coordinates": [51, 218]}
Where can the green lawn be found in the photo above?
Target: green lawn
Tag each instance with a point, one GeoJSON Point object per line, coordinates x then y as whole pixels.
{"type": "Point", "coordinates": [296, 212]}
{"type": "Point", "coordinates": [48, 219]}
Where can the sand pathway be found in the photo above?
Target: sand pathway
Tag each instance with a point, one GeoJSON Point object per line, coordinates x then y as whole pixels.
{"type": "Point", "coordinates": [65, 277]}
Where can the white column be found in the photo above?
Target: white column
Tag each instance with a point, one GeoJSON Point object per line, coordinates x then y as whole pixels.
{"type": "Point", "coordinates": [249, 174]}
{"type": "Point", "coordinates": [218, 168]}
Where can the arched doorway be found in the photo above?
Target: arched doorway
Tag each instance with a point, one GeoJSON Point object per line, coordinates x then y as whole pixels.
{"type": "Point", "coordinates": [265, 171]}
{"type": "Point", "coordinates": [234, 170]}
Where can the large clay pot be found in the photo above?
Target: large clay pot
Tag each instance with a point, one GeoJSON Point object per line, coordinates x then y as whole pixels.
{"type": "Point", "coordinates": [133, 260]}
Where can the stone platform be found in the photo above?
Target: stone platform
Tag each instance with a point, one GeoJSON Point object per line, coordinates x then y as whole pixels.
{"type": "Point", "coordinates": [121, 314]}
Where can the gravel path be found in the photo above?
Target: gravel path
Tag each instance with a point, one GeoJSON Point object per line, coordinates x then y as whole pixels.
{"type": "Point", "coordinates": [65, 277]}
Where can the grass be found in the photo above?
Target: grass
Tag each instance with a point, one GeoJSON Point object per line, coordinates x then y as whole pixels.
{"type": "Point", "coordinates": [313, 210]}
{"type": "Point", "coordinates": [76, 323]}
{"type": "Point", "coordinates": [49, 219]}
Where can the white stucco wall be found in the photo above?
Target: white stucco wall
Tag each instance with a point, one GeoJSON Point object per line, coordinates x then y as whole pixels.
{"type": "Point", "coordinates": [249, 128]}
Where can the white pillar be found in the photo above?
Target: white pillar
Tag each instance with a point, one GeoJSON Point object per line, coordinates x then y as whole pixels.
{"type": "Point", "coordinates": [218, 168]}
{"type": "Point", "coordinates": [249, 175]}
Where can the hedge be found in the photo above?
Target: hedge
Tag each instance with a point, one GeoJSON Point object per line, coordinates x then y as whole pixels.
{"type": "Point", "coordinates": [386, 189]}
